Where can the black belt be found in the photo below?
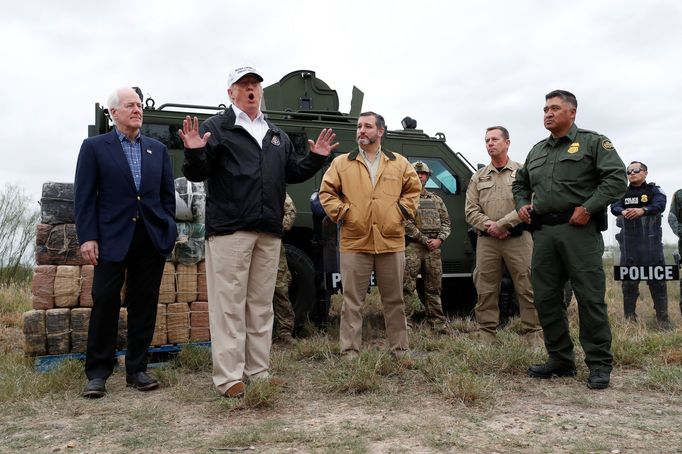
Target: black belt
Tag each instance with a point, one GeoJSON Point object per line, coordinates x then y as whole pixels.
{"type": "Point", "coordinates": [561, 217]}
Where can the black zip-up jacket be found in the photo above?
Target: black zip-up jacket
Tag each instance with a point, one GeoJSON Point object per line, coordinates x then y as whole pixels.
{"type": "Point", "coordinates": [246, 185]}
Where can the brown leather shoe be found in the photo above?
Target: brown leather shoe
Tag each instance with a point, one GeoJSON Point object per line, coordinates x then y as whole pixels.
{"type": "Point", "coordinates": [235, 391]}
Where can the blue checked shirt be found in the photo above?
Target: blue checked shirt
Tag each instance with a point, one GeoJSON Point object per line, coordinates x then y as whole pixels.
{"type": "Point", "coordinates": [132, 152]}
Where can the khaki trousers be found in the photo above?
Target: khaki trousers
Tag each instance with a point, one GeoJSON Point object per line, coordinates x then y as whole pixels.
{"type": "Point", "coordinates": [491, 255]}
{"type": "Point", "coordinates": [356, 270]}
{"type": "Point", "coordinates": [241, 269]}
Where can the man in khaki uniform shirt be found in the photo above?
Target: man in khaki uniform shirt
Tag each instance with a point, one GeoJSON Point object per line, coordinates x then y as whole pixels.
{"type": "Point", "coordinates": [502, 240]}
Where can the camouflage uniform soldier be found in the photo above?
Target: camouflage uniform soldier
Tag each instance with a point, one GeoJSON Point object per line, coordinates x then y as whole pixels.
{"type": "Point", "coordinates": [284, 313]}
{"type": "Point", "coordinates": [425, 234]}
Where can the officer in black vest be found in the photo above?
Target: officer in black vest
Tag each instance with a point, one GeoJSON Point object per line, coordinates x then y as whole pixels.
{"type": "Point", "coordinates": [642, 242]}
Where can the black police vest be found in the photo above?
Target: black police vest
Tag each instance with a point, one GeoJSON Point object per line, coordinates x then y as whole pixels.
{"type": "Point", "coordinates": [639, 197]}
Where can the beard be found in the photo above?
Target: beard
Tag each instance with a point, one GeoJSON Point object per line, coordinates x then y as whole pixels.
{"type": "Point", "coordinates": [366, 141]}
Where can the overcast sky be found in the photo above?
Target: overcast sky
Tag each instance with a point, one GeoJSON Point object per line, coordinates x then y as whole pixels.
{"type": "Point", "coordinates": [456, 67]}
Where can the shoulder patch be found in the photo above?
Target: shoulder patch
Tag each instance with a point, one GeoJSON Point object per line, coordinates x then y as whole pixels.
{"type": "Point", "coordinates": [607, 145]}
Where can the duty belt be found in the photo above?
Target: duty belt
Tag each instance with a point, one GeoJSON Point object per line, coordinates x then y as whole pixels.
{"type": "Point", "coordinates": [556, 218]}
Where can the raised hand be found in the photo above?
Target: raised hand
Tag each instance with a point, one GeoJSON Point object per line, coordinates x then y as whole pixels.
{"type": "Point", "coordinates": [323, 145]}
{"type": "Point", "coordinates": [190, 133]}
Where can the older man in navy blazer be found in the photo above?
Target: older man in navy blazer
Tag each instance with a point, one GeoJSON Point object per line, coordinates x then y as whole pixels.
{"type": "Point", "coordinates": [125, 210]}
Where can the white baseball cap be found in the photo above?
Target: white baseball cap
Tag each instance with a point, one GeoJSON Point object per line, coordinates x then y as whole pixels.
{"type": "Point", "coordinates": [238, 73]}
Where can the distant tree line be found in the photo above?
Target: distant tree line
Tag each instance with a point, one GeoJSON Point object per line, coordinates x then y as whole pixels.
{"type": "Point", "coordinates": [18, 220]}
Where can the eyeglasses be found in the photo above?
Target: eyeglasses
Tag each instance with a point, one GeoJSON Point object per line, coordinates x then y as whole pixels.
{"type": "Point", "coordinates": [631, 171]}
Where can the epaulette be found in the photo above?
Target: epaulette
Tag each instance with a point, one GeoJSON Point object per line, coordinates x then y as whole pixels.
{"type": "Point", "coordinates": [541, 141]}
{"type": "Point", "coordinates": [589, 131]}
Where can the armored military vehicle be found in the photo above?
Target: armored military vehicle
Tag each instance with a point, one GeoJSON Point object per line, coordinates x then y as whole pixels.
{"type": "Point", "coordinates": [302, 104]}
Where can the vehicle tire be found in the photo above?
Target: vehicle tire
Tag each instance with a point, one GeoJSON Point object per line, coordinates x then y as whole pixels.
{"type": "Point", "coordinates": [302, 291]}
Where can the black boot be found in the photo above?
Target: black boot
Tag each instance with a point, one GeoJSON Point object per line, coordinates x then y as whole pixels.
{"type": "Point", "coordinates": [660, 297]}
{"type": "Point", "coordinates": [630, 295]}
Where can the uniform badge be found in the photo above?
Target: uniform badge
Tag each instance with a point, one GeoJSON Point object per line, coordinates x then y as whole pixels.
{"type": "Point", "coordinates": [607, 145]}
{"type": "Point", "coordinates": [574, 148]}
{"type": "Point", "coordinates": [645, 198]}
{"type": "Point", "coordinates": [513, 174]}
{"type": "Point", "coordinates": [275, 141]}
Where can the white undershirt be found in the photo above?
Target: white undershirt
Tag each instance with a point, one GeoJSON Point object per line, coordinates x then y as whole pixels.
{"type": "Point", "coordinates": [257, 128]}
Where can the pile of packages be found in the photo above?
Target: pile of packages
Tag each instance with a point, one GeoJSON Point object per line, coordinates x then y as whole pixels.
{"type": "Point", "coordinates": [62, 283]}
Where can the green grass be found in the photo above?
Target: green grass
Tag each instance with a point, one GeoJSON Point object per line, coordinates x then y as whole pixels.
{"type": "Point", "coordinates": [456, 373]}
{"type": "Point", "coordinates": [15, 299]}
{"type": "Point", "coordinates": [19, 379]}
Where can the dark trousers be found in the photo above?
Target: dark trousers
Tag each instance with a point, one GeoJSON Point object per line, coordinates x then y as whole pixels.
{"type": "Point", "coordinates": [563, 252]}
{"type": "Point", "coordinates": [144, 267]}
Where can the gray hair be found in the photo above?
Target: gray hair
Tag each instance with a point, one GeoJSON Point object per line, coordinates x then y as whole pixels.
{"type": "Point", "coordinates": [502, 129]}
{"type": "Point", "coordinates": [114, 100]}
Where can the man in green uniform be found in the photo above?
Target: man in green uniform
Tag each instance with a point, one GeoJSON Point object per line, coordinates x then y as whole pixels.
{"type": "Point", "coordinates": [675, 222]}
{"type": "Point", "coordinates": [425, 235]}
{"type": "Point", "coordinates": [567, 182]}
{"type": "Point", "coordinates": [281, 306]}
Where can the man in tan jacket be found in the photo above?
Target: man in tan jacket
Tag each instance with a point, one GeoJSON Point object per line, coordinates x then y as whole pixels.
{"type": "Point", "coordinates": [502, 240]}
{"type": "Point", "coordinates": [369, 192]}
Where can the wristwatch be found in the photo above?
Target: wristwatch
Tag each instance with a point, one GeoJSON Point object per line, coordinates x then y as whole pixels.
{"type": "Point", "coordinates": [646, 210]}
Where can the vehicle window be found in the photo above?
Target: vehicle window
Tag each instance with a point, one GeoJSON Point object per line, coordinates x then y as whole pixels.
{"type": "Point", "coordinates": [441, 176]}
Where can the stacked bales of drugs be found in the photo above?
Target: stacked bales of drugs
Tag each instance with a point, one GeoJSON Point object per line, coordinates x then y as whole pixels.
{"type": "Point", "coordinates": [62, 285]}
{"type": "Point", "coordinates": [198, 315]}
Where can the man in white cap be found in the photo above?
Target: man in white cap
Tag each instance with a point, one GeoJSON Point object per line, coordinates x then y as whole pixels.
{"type": "Point", "coordinates": [246, 161]}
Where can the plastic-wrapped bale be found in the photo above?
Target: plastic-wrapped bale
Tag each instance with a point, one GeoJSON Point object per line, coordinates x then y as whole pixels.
{"type": "Point", "coordinates": [198, 321]}
{"type": "Point", "coordinates": [35, 339]}
{"type": "Point", "coordinates": [190, 201]}
{"type": "Point", "coordinates": [67, 284]}
{"type": "Point", "coordinates": [58, 245]}
{"type": "Point", "coordinates": [58, 328]}
{"type": "Point", "coordinates": [160, 327]}
{"type": "Point", "coordinates": [177, 320]}
{"type": "Point", "coordinates": [122, 339]}
{"type": "Point", "coordinates": [186, 277]}
{"type": "Point", "coordinates": [42, 287]}
{"type": "Point", "coordinates": [202, 288]}
{"type": "Point", "coordinates": [56, 203]}
{"type": "Point", "coordinates": [167, 288]}
{"type": "Point", "coordinates": [189, 244]}
{"type": "Point", "coordinates": [80, 320]}
{"type": "Point", "coordinates": [87, 275]}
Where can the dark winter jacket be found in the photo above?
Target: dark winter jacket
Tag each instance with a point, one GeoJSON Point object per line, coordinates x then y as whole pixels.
{"type": "Point", "coordinates": [246, 185]}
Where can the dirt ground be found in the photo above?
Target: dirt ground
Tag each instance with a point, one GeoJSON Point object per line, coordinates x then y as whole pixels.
{"type": "Point", "coordinates": [187, 416]}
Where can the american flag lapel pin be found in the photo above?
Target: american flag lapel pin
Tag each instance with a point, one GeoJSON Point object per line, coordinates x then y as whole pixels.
{"type": "Point", "coordinates": [149, 151]}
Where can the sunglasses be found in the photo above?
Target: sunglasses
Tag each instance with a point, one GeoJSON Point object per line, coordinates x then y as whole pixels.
{"type": "Point", "coordinates": [631, 171]}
